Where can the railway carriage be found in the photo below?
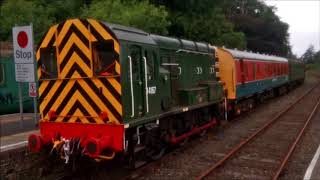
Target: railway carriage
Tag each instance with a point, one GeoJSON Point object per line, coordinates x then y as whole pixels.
{"type": "Point", "coordinates": [249, 77]}
{"type": "Point", "coordinates": [296, 72]}
{"type": "Point", "coordinates": [114, 89]}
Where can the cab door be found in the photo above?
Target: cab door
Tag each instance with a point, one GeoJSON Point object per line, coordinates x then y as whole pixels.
{"type": "Point", "coordinates": [136, 78]}
{"type": "Point", "coordinates": [150, 74]}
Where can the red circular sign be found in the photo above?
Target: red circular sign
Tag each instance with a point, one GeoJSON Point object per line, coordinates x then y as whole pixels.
{"type": "Point", "coordinates": [22, 39]}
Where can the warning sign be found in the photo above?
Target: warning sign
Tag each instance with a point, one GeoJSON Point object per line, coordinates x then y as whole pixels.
{"type": "Point", "coordinates": [24, 72]}
{"type": "Point", "coordinates": [23, 53]}
{"type": "Point", "coordinates": [32, 89]}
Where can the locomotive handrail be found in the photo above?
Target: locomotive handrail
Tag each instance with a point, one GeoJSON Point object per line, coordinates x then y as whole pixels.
{"type": "Point", "coordinates": [146, 83]}
{"type": "Point", "coordinates": [131, 87]}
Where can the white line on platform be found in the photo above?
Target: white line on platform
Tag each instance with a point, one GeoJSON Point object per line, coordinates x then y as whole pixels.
{"type": "Point", "coordinates": [13, 145]}
{"type": "Point", "coordinates": [308, 174]}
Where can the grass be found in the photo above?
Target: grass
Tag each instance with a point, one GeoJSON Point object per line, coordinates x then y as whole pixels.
{"type": "Point", "coordinates": [315, 66]}
{"type": "Point", "coordinates": [313, 72]}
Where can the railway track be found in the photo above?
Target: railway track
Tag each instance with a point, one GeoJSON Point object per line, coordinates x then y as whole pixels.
{"type": "Point", "coordinates": [264, 154]}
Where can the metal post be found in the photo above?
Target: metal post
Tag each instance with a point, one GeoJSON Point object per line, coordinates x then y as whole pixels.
{"type": "Point", "coordinates": [35, 111]}
{"type": "Point", "coordinates": [21, 104]}
{"type": "Point", "coordinates": [35, 77]}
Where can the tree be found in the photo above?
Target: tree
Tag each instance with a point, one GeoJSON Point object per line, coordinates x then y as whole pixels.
{"type": "Point", "coordinates": [262, 27]}
{"type": "Point", "coordinates": [202, 21]}
{"type": "Point", "coordinates": [22, 12]}
{"type": "Point", "coordinates": [139, 14]}
{"type": "Point", "coordinates": [317, 57]}
{"type": "Point", "coordinates": [309, 55]}
{"type": "Point", "coordinates": [61, 10]}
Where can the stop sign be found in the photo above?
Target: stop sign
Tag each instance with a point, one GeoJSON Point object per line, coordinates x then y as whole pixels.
{"type": "Point", "coordinates": [23, 44]}
{"type": "Point", "coordinates": [22, 39]}
{"type": "Point", "coordinates": [23, 55]}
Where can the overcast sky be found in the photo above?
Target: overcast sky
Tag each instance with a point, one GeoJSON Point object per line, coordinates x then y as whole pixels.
{"type": "Point", "coordinates": [303, 17]}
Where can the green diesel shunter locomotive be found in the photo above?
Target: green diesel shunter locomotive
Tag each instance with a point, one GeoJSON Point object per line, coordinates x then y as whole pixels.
{"type": "Point", "coordinates": [120, 89]}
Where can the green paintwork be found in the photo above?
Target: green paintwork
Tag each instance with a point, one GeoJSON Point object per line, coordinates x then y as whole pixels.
{"type": "Point", "coordinates": [183, 78]}
{"type": "Point", "coordinates": [9, 94]}
{"type": "Point", "coordinates": [296, 70]}
{"type": "Point", "coordinates": [248, 89]}
{"type": "Point", "coordinates": [193, 96]}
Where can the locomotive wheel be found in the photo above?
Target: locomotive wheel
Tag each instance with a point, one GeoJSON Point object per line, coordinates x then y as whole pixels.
{"type": "Point", "coordinates": [156, 151]}
{"type": "Point", "coordinates": [156, 146]}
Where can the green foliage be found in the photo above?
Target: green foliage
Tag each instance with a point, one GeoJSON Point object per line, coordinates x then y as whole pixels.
{"type": "Point", "coordinates": [242, 24]}
{"type": "Point", "coordinates": [41, 13]}
{"type": "Point", "coordinates": [202, 21]}
{"type": "Point", "coordinates": [313, 66]}
{"type": "Point", "coordinates": [23, 12]}
{"type": "Point", "coordinates": [139, 14]}
{"type": "Point", "coordinates": [262, 27]}
{"type": "Point", "coordinates": [311, 56]}
{"type": "Point", "coordinates": [61, 10]}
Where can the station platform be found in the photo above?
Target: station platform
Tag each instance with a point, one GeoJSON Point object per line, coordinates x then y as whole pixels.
{"type": "Point", "coordinates": [313, 171]}
{"type": "Point", "coordinates": [15, 141]}
{"type": "Point", "coordinates": [14, 132]}
{"type": "Point", "coordinates": [11, 124]}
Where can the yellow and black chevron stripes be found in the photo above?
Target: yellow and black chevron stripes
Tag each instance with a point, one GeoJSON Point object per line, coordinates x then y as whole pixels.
{"type": "Point", "coordinates": [84, 94]}
{"type": "Point", "coordinates": [76, 95]}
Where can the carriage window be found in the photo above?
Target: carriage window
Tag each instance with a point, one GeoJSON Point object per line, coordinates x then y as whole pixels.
{"type": "Point", "coordinates": [150, 64]}
{"type": "Point", "coordinates": [254, 71]}
{"type": "Point", "coordinates": [104, 58]}
{"type": "Point", "coordinates": [48, 63]}
{"type": "Point", "coordinates": [246, 71]}
{"type": "Point", "coordinates": [1, 74]}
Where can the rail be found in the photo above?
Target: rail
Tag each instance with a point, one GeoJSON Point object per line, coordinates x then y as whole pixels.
{"type": "Point", "coordinates": [259, 131]}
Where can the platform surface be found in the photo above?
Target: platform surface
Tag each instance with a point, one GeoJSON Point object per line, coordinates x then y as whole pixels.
{"type": "Point", "coordinates": [313, 171]}
{"type": "Point", "coordinates": [11, 124]}
{"type": "Point", "coordinates": [14, 132]}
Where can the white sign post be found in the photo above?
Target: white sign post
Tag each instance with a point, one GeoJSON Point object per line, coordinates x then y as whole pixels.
{"type": "Point", "coordinates": [24, 62]}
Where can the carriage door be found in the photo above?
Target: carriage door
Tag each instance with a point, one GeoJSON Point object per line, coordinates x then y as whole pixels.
{"type": "Point", "coordinates": [136, 79]}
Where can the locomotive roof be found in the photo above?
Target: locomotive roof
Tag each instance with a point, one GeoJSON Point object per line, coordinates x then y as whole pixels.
{"type": "Point", "coordinates": [182, 44]}
{"type": "Point", "coordinates": [250, 55]}
{"type": "Point", "coordinates": [137, 35]}
{"type": "Point", "coordinates": [130, 34]}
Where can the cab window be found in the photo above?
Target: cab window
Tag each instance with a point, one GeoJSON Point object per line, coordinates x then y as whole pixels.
{"type": "Point", "coordinates": [2, 73]}
{"type": "Point", "coordinates": [48, 63]}
{"type": "Point", "coordinates": [150, 64]}
{"type": "Point", "coordinates": [104, 58]}
{"type": "Point", "coordinates": [136, 58]}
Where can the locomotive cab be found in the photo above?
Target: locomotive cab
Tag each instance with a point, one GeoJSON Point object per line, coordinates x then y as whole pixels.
{"type": "Point", "coordinates": [79, 89]}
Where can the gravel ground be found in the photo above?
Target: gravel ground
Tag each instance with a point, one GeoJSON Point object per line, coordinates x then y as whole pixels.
{"type": "Point", "coordinates": [189, 161]}
{"type": "Point", "coordinates": [304, 152]}
{"type": "Point", "coordinates": [261, 158]}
